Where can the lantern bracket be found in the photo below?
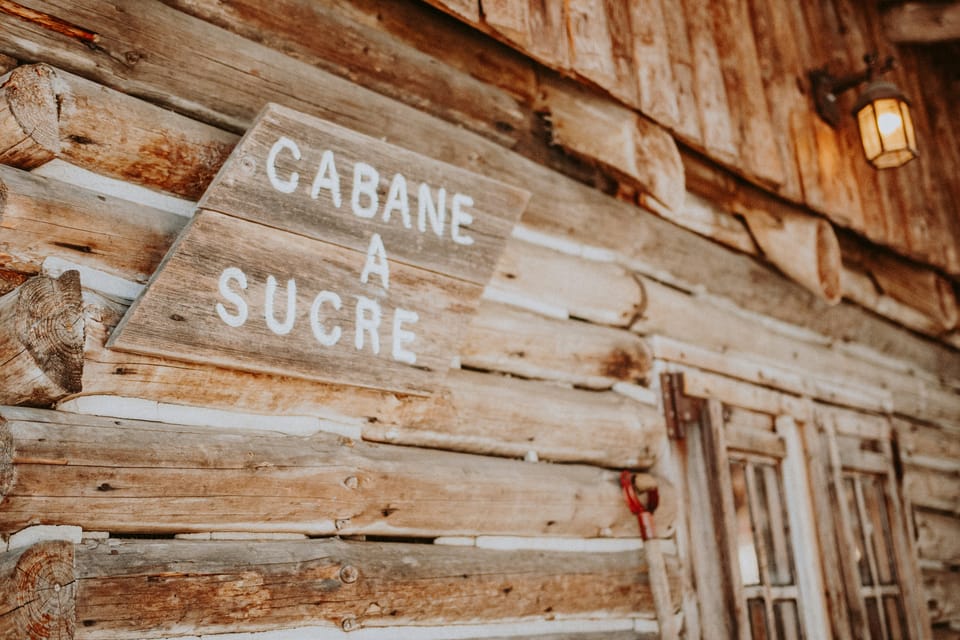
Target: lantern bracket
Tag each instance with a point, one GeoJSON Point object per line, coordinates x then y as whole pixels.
{"type": "Point", "coordinates": [827, 87]}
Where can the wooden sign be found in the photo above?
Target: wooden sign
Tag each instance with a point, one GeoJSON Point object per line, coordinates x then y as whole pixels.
{"type": "Point", "coordinates": [321, 253]}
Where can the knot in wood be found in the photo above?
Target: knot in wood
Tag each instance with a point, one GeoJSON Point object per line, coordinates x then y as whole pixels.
{"type": "Point", "coordinates": [349, 624]}
{"type": "Point", "coordinates": [349, 573]}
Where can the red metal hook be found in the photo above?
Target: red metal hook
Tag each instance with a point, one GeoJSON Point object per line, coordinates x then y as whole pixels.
{"type": "Point", "coordinates": [644, 514]}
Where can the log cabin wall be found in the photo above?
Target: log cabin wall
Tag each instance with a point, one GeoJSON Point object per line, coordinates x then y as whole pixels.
{"type": "Point", "coordinates": [148, 497]}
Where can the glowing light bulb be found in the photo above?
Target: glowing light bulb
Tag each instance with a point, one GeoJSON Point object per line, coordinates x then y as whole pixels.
{"type": "Point", "coordinates": [889, 123]}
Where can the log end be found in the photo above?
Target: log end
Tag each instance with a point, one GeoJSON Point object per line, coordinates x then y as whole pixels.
{"type": "Point", "coordinates": [32, 98]}
{"type": "Point", "coordinates": [49, 324]}
{"type": "Point", "coordinates": [829, 262]}
{"type": "Point", "coordinates": [43, 587]}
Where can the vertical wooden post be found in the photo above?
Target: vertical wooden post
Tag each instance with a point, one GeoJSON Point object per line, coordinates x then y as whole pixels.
{"type": "Point", "coordinates": [41, 340]}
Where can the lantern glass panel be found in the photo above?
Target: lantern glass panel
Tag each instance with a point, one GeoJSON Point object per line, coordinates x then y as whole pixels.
{"type": "Point", "coordinates": [887, 133]}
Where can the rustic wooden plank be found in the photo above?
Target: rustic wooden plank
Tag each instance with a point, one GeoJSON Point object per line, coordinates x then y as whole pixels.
{"type": "Point", "coordinates": [372, 58]}
{"type": "Point", "coordinates": [489, 410]}
{"type": "Point", "coordinates": [858, 286]}
{"type": "Point", "coordinates": [214, 243]}
{"type": "Point", "coordinates": [41, 217]}
{"type": "Point", "coordinates": [231, 97]}
{"type": "Point", "coordinates": [127, 476]}
{"type": "Point", "coordinates": [501, 338]}
{"type": "Point", "coordinates": [912, 284]}
{"type": "Point", "coordinates": [922, 22]}
{"type": "Point", "coordinates": [603, 131]}
{"type": "Point", "coordinates": [783, 74]}
{"type": "Point", "coordinates": [38, 592]}
{"type": "Point", "coordinates": [926, 444]}
{"type": "Point", "coordinates": [544, 427]}
{"type": "Point", "coordinates": [758, 154]}
{"type": "Point", "coordinates": [600, 292]}
{"type": "Point", "coordinates": [599, 51]}
{"type": "Point", "coordinates": [678, 315]}
{"type": "Point", "coordinates": [656, 88]}
{"type": "Point", "coordinates": [720, 138]}
{"type": "Point", "coordinates": [938, 536]}
{"type": "Point", "coordinates": [66, 115]}
{"type": "Point", "coordinates": [942, 589]}
{"type": "Point", "coordinates": [753, 441]}
{"type": "Point", "coordinates": [425, 202]}
{"type": "Point", "coordinates": [681, 61]}
{"type": "Point", "coordinates": [510, 19]}
{"type": "Point", "coordinates": [41, 340]}
{"type": "Point", "coordinates": [932, 489]}
{"type": "Point", "coordinates": [202, 587]}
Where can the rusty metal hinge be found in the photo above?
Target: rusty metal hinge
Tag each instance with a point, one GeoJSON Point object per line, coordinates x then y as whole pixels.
{"type": "Point", "coordinates": [678, 408]}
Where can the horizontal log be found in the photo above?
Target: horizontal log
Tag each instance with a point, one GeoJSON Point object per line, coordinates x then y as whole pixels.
{"type": "Point", "coordinates": [860, 287]}
{"type": "Point", "coordinates": [938, 537]}
{"type": "Point", "coordinates": [196, 588]}
{"type": "Point", "coordinates": [922, 21]}
{"type": "Point", "coordinates": [129, 476]}
{"type": "Point", "coordinates": [926, 444]}
{"type": "Point", "coordinates": [600, 292]}
{"type": "Point", "coordinates": [41, 340]}
{"type": "Point", "coordinates": [374, 58]}
{"type": "Point", "coordinates": [489, 411]}
{"type": "Point", "coordinates": [501, 338]}
{"type": "Point", "coordinates": [935, 489]}
{"type": "Point", "coordinates": [231, 97]}
{"type": "Point", "coordinates": [61, 115]}
{"type": "Point", "coordinates": [469, 416]}
{"type": "Point", "coordinates": [599, 129]}
{"type": "Point", "coordinates": [41, 217]}
{"type": "Point", "coordinates": [916, 286]}
{"type": "Point", "coordinates": [713, 326]}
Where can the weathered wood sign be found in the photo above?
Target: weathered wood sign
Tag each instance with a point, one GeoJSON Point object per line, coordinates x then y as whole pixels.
{"type": "Point", "coordinates": [321, 253]}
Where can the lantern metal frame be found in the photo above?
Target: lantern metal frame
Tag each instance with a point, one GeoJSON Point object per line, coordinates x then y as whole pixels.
{"type": "Point", "coordinates": [827, 87]}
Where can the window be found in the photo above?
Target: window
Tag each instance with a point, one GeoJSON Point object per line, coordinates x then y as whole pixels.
{"type": "Point", "coordinates": [793, 527]}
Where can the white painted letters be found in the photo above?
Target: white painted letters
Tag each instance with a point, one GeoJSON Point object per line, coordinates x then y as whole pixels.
{"type": "Point", "coordinates": [376, 262]}
{"type": "Point", "coordinates": [426, 209]}
{"type": "Point", "coordinates": [397, 199]}
{"type": "Point", "coordinates": [459, 217]}
{"type": "Point", "coordinates": [280, 328]}
{"type": "Point", "coordinates": [237, 319]}
{"type": "Point", "coordinates": [402, 337]}
{"type": "Point", "coordinates": [324, 337]}
{"type": "Point", "coordinates": [365, 182]}
{"type": "Point", "coordinates": [290, 184]}
{"type": "Point", "coordinates": [327, 178]}
{"type": "Point", "coordinates": [367, 320]}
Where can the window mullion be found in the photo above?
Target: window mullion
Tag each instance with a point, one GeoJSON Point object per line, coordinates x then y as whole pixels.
{"type": "Point", "coordinates": [869, 543]}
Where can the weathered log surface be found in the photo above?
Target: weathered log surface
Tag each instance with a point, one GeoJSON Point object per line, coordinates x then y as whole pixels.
{"type": "Point", "coordinates": [41, 340]}
{"type": "Point", "coordinates": [144, 477]}
{"type": "Point", "coordinates": [922, 21]}
{"type": "Point", "coordinates": [617, 137]}
{"type": "Point", "coordinates": [501, 338]}
{"type": "Point", "coordinates": [62, 115]}
{"type": "Point", "coordinates": [198, 588]}
{"type": "Point", "coordinates": [938, 537]}
{"type": "Point", "coordinates": [232, 96]}
{"type": "Point", "coordinates": [41, 217]}
{"type": "Point", "coordinates": [479, 413]}
{"type": "Point", "coordinates": [599, 292]}
{"type": "Point", "coordinates": [38, 591]}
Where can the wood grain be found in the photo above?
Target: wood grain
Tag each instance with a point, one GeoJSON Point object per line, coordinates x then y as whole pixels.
{"type": "Point", "coordinates": [41, 340]}
{"type": "Point", "coordinates": [38, 591]}
{"type": "Point", "coordinates": [200, 588]}
{"type": "Point", "coordinates": [244, 190]}
{"type": "Point", "coordinates": [63, 114]}
{"type": "Point", "coordinates": [96, 472]}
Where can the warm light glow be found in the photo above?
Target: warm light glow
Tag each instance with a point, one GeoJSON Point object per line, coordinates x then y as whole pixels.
{"type": "Point", "coordinates": [886, 128]}
{"type": "Point", "coordinates": [889, 123]}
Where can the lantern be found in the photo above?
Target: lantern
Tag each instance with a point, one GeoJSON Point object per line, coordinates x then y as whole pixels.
{"type": "Point", "coordinates": [882, 112]}
{"type": "Point", "coordinates": [886, 127]}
